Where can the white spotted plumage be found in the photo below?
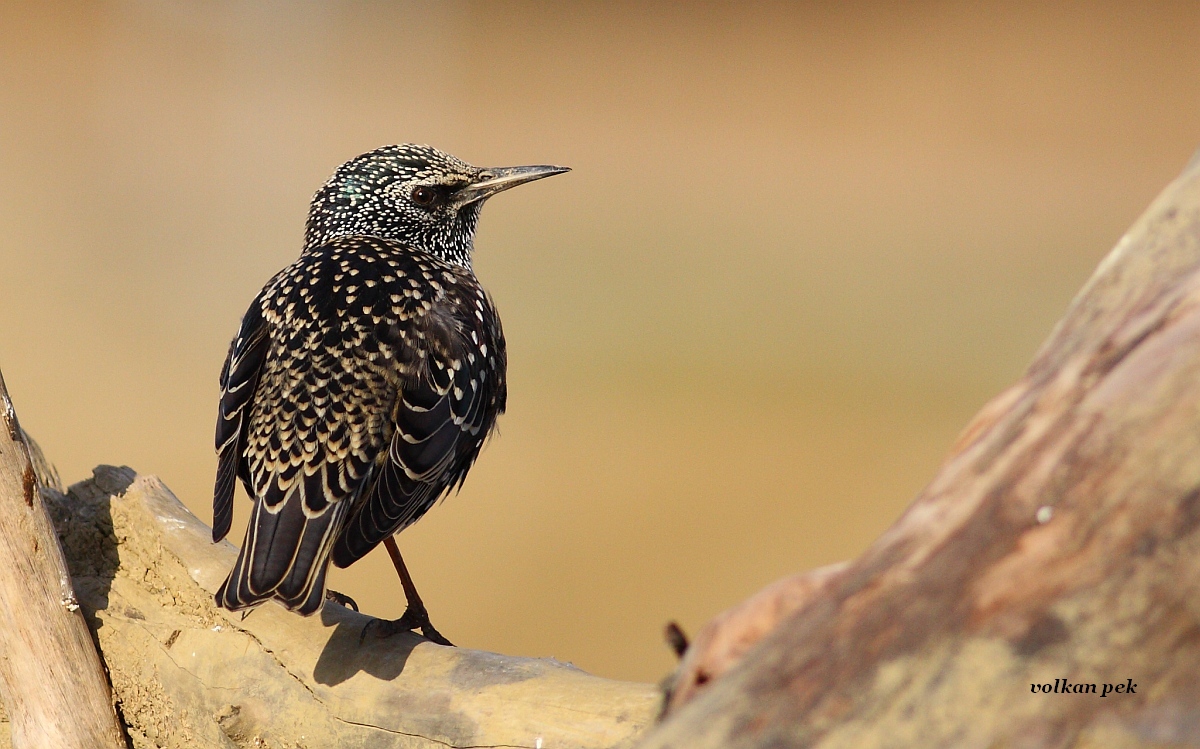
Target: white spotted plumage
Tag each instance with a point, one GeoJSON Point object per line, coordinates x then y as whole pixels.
{"type": "Point", "coordinates": [362, 384]}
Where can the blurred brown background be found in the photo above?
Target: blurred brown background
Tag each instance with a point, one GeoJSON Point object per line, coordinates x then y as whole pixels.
{"type": "Point", "coordinates": [801, 246]}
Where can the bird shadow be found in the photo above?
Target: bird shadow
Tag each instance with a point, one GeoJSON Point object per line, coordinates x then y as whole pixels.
{"type": "Point", "coordinates": [351, 649]}
{"type": "Point", "coordinates": [82, 519]}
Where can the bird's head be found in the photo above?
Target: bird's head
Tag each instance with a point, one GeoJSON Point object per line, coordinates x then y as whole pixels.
{"type": "Point", "coordinates": [416, 194]}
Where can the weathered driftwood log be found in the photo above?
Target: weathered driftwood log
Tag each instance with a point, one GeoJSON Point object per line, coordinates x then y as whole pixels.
{"type": "Point", "coordinates": [52, 683]}
{"type": "Point", "coordinates": [187, 674]}
{"type": "Point", "coordinates": [1057, 550]}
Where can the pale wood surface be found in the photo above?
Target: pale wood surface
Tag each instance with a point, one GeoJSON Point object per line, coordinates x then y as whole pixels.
{"type": "Point", "coordinates": [52, 684]}
{"type": "Point", "coordinates": [190, 675]}
{"type": "Point", "coordinates": [1059, 540]}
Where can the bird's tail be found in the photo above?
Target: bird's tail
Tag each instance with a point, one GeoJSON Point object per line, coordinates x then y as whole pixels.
{"type": "Point", "coordinates": [284, 558]}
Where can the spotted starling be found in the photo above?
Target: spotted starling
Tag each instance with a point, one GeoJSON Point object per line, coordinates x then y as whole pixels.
{"type": "Point", "coordinates": [365, 377]}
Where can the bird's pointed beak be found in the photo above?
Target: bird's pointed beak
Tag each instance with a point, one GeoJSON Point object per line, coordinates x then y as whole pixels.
{"type": "Point", "coordinates": [498, 179]}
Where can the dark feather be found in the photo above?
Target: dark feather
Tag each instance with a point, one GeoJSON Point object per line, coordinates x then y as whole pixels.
{"type": "Point", "coordinates": [371, 399]}
{"type": "Point", "coordinates": [441, 421]}
{"type": "Point", "coordinates": [239, 378]}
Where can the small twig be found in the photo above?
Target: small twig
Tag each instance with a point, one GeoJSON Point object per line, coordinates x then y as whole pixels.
{"type": "Point", "coordinates": [676, 639]}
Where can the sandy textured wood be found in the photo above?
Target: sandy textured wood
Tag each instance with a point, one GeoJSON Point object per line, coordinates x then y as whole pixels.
{"type": "Point", "coordinates": [1060, 540]}
{"type": "Point", "coordinates": [190, 675]}
{"type": "Point", "coordinates": [52, 684]}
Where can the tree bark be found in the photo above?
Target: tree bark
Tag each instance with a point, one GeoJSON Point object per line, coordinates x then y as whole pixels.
{"type": "Point", "coordinates": [187, 674]}
{"type": "Point", "coordinates": [52, 684]}
{"type": "Point", "coordinates": [1057, 549]}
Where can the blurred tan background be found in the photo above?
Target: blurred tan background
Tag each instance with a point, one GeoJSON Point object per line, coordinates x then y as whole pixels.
{"type": "Point", "coordinates": [801, 246]}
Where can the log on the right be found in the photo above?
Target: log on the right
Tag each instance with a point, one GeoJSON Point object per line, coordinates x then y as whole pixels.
{"type": "Point", "coordinates": [1044, 589]}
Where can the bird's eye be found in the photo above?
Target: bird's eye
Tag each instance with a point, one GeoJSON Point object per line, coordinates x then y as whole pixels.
{"type": "Point", "coordinates": [424, 196]}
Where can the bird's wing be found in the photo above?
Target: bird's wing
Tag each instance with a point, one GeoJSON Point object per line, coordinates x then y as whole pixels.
{"type": "Point", "coordinates": [381, 377]}
{"type": "Point", "coordinates": [315, 426]}
{"type": "Point", "coordinates": [442, 418]}
{"type": "Point", "coordinates": [239, 379]}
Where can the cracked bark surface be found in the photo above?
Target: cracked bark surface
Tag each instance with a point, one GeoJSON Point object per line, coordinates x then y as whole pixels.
{"type": "Point", "coordinates": [187, 674]}
{"type": "Point", "coordinates": [1059, 540]}
{"type": "Point", "coordinates": [52, 683]}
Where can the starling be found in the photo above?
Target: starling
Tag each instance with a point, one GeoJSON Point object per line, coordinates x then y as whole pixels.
{"type": "Point", "coordinates": [364, 379]}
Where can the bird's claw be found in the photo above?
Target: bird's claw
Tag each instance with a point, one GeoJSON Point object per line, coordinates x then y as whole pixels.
{"type": "Point", "coordinates": [414, 618]}
{"type": "Point", "coordinates": [342, 598]}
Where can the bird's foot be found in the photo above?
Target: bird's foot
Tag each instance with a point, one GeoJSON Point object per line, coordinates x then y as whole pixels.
{"type": "Point", "coordinates": [415, 617]}
{"type": "Point", "coordinates": [342, 598]}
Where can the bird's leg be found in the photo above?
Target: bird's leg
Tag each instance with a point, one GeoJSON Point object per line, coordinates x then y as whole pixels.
{"type": "Point", "coordinates": [415, 616]}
